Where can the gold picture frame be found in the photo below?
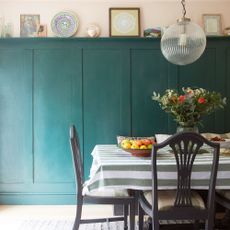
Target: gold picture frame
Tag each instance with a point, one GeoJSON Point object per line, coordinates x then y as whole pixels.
{"type": "Point", "coordinates": [212, 24]}
{"type": "Point", "coordinates": [29, 24]}
{"type": "Point", "coordinates": [124, 22]}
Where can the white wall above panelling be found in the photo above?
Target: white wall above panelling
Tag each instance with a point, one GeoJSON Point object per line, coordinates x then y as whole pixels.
{"type": "Point", "coordinates": [153, 12]}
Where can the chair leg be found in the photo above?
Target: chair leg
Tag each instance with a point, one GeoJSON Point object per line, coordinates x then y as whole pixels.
{"type": "Point", "coordinates": [209, 223]}
{"type": "Point", "coordinates": [225, 221]}
{"type": "Point", "coordinates": [132, 216]}
{"type": "Point", "coordinates": [108, 224]}
{"type": "Point", "coordinates": [140, 217]}
{"type": "Point", "coordinates": [126, 207]}
{"type": "Point", "coordinates": [196, 224]}
{"type": "Point", "coordinates": [77, 217]}
{"type": "Point", "coordinates": [155, 224]}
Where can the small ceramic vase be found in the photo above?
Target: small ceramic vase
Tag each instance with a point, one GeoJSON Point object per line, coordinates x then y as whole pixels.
{"type": "Point", "coordinates": [93, 30]}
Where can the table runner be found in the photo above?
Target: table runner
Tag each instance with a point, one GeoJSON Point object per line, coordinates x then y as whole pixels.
{"type": "Point", "coordinates": [113, 167]}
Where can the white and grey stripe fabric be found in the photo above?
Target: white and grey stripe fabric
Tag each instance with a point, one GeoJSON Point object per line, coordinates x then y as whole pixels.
{"type": "Point", "coordinates": [115, 168]}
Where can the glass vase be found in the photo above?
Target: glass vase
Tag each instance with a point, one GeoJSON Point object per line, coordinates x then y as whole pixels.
{"type": "Point", "coordinates": [182, 128]}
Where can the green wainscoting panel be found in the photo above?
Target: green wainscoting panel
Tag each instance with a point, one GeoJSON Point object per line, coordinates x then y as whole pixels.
{"type": "Point", "coordinates": [15, 117]}
{"type": "Point", "coordinates": [106, 95]}
{"type": "Point", "coordinates": [195, 75]}
{"type": "Point", "coordinates": [203, 73]}
{"type": "Point", "coordinates": [57, 104]}
{"type": "Point", "coordinates": [150, 72]}
{"type": "Point", "coordinates": [104, 87]}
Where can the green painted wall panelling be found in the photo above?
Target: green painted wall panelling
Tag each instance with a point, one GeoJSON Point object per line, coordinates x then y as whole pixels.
{"type": "Point", "coordinates": [57, 104]}
{"type": "Point", "coordinates": [197, 76]}
{"type": "Point", "coordinates": [15, 118]}
{"type": "Point", "coordinates": [106, 98]}
{"type": "Point", "coordinates": [102, 85]}
{"type": "Point", "coordinates": [207, 74]}
{"type": "Point", "coordinates": [150, 72]}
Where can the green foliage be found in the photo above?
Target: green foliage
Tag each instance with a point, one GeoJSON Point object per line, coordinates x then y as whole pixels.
{"type": "Point", "coordinates": [189, 107]}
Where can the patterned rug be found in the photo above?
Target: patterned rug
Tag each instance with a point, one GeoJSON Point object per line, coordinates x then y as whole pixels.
{"type": "Point", "coordinates": [67, 225]}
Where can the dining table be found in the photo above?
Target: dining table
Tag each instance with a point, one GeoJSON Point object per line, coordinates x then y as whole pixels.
{"type": "Point", "coordinates": [115, 168]}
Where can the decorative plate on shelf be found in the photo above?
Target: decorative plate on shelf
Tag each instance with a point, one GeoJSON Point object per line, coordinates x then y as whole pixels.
{"type": "Point", "coordinates": [65, 24]}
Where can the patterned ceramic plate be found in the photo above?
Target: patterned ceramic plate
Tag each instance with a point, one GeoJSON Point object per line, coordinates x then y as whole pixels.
{"type": "Point", "coordinates": [65, 24]}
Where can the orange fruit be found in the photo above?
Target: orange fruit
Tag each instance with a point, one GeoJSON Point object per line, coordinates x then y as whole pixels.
{"type": "Point", "coordinates": [153, 142]}
{"type": "Point", "coordinates": [126, 145]}
{"type": "Point", "coordinates": [146, 142]}
{"type": "Point", "coordinates": [138, 142]}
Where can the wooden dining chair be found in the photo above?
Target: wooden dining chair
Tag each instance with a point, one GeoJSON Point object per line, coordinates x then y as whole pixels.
{"type": "Point", "coordinates": [183, 203]}
{"type": "Point", "coordinates": [108, 196]}
{"type": "Point", "coordinates": [223, 198]}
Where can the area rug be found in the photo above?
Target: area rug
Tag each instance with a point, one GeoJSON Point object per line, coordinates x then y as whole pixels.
{"type": "Point", "coordinates": [67, 225]}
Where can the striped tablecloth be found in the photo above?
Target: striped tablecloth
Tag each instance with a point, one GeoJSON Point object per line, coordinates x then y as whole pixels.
{"type": "Point", "coordinates": [115, 168]}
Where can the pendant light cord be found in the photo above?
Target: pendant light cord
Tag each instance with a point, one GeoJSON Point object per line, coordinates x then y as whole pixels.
{"type": "Point", "coordinates": [184, 10]}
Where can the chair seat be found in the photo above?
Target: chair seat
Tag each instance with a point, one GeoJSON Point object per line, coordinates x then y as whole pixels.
{"type": "Point", "coordinates": [224, 193]}
{"type": "Point", "coordinates": [166, 199]}
{"type": "Point", "coordinates": [107, 192]}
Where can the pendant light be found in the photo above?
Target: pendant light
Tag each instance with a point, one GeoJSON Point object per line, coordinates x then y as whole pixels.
{"type": "Point", "coordinates": [183, 42]}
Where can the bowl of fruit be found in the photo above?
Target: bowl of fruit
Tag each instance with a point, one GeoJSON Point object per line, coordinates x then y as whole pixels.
{"type": "Point", "coordinates": [137, 146]}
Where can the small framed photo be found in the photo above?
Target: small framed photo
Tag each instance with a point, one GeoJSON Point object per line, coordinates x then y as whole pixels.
{"type": "Point", "coordinates": [212, 24]}
{"type": "Point", "coordinates": [29, 25]}
{"type": "Point", "coordinates": [124, 22]}
{"type": "Point", "coordinates": [42, 30]}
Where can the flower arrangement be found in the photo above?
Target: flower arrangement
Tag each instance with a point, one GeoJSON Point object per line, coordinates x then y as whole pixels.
{"type": "Point", "coordinates": [188, 108]}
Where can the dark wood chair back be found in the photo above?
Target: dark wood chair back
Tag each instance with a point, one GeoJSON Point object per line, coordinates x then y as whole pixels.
{"type": "Point", "coordinates": [185, 146]}
{"type": "Point", "coordinates": [128, 202]}
{"type": "Point", "coordinates": [77, 159]}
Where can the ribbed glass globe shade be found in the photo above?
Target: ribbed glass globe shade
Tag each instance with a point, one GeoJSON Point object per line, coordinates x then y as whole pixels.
{"type": "Point", "coordinates": [183, 43]}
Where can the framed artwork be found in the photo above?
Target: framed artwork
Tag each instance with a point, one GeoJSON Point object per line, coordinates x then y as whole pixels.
{"type": "Point", "coordinates": [124, 22]}
{"type": "Point", "coordinates": [29, 25]}
{"type": "Point", "coordinates": [212, 24]}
